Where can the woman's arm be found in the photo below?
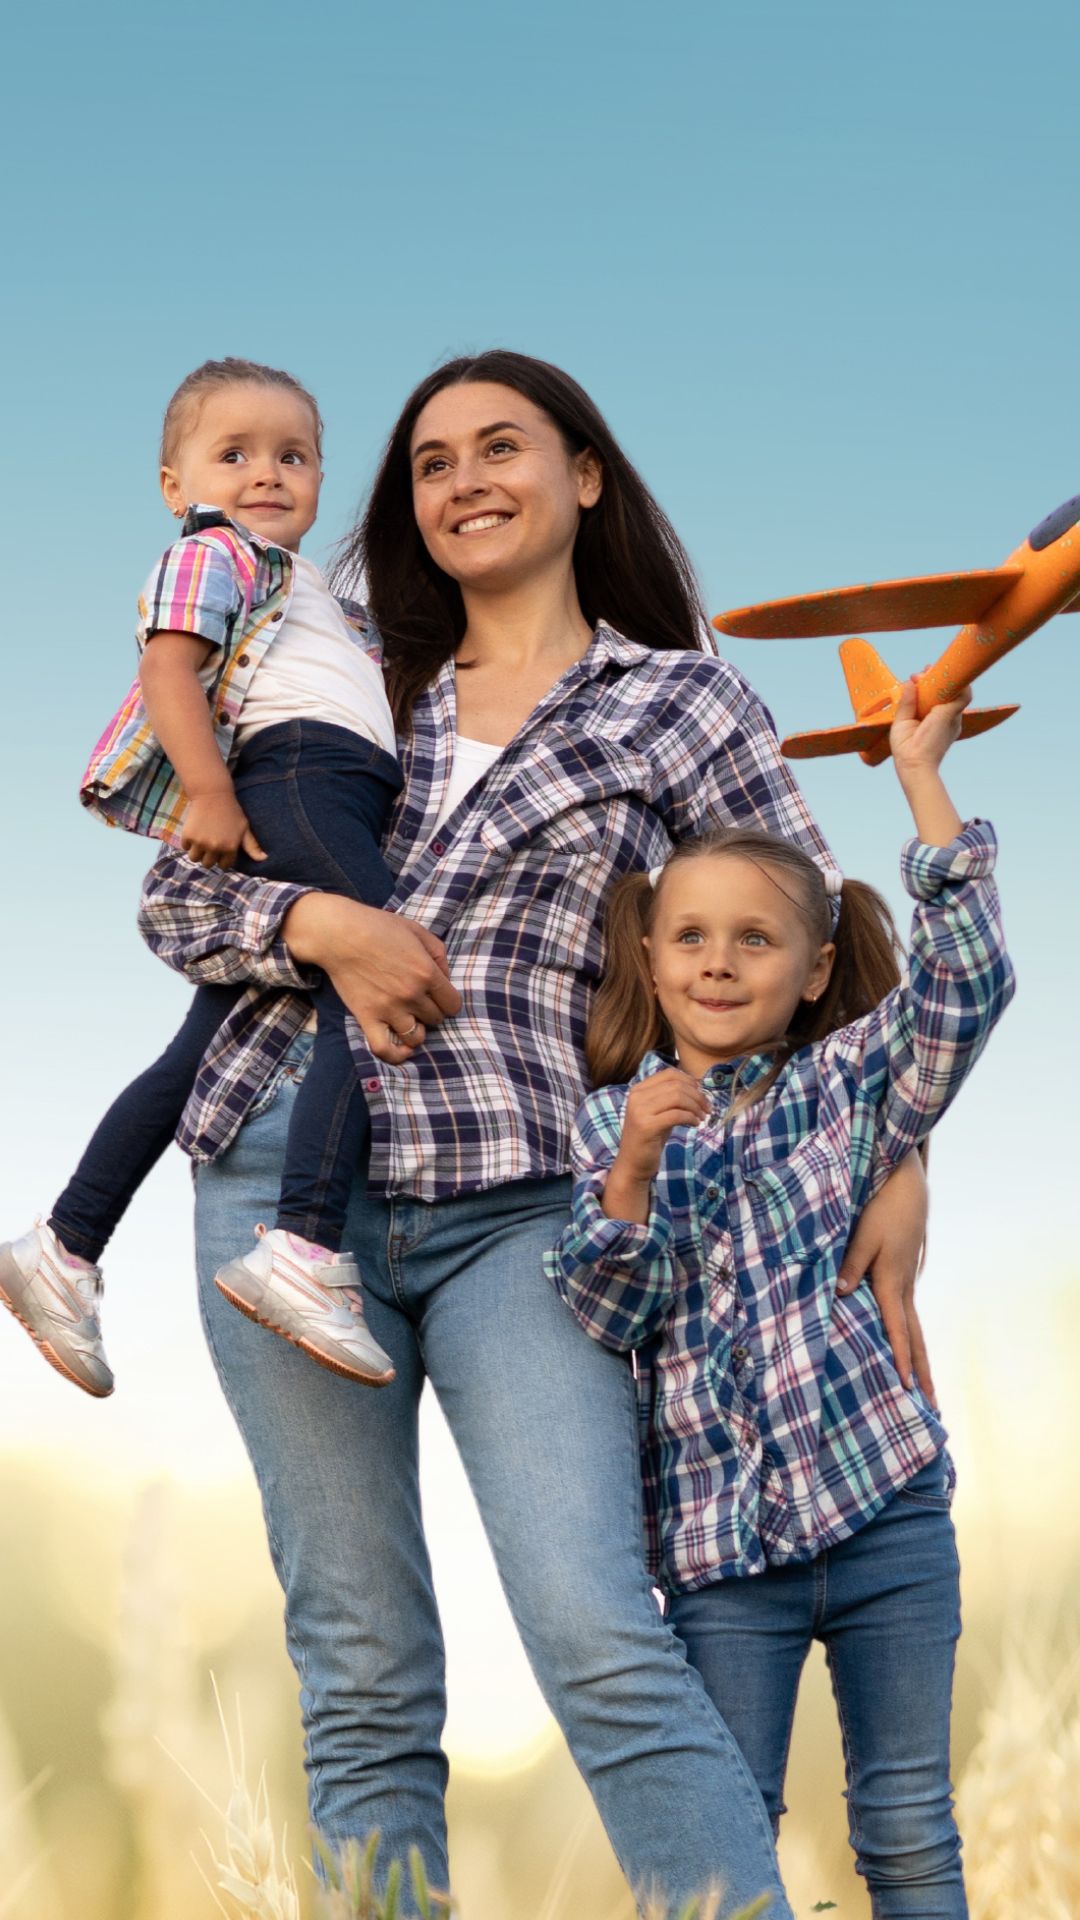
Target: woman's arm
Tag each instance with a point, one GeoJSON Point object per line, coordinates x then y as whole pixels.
{"type": "Point", "coordinates": [227, 927]}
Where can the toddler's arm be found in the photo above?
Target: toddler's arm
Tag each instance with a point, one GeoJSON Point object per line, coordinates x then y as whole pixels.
{"type": "Point", "coordinates": [214, 826]}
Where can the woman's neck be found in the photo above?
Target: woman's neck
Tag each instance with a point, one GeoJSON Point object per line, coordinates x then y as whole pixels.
{"type": "Point", "coordinates": [520, 628]}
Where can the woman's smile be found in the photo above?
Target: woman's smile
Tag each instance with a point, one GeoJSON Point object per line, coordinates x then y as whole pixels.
{"type": "Point", "coordinates": [483, 522]}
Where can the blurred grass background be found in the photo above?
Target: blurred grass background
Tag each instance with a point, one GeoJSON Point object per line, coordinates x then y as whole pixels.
{"type": "Point", "coordinates": [119, 1599]}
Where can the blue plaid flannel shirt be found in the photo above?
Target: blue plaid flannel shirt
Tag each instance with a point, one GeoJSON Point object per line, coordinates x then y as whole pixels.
{"type": "Point", "coordinates": [633, 749]}
{"type": "Point", "coordinates": [773, 1420]}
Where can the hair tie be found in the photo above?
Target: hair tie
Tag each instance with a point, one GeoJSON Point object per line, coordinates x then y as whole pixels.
{"type": "Point", "coordinates": [834, 882]}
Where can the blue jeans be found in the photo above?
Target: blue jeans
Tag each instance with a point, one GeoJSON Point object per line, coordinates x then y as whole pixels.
{"type": "Point", "coordinates": [317, 798]}
{"type": "Point", "coordinates": [886, 1605]}
{"type": "Point", "coordinates": [546, 1426]}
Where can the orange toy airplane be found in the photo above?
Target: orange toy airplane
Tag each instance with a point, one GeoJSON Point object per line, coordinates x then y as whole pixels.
{"type": "Point", "coordinates": [1001, 608]}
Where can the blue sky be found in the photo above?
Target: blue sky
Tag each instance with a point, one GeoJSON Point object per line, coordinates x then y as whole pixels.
{"type": "Point", "coordinates": [818, 266]}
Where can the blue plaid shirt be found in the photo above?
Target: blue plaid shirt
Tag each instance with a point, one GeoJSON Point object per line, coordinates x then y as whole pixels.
{"type": "Point", "coordinates": [773, 1420]}
{"type": "Point", "coordinates": [633, 749]}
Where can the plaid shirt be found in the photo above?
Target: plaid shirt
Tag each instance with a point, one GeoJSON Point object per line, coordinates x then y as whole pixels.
{"type": "Point", "coordinates": [231, 589]}
{"type": "Point", "coordinates": [773, 1420]}
{"type": "Point", "coordinates": [632, 749]}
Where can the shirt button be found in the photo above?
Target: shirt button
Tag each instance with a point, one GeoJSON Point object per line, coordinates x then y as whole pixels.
{"type": "Point", "coordinates": [243, 660]}
{"type": "Point", "coordinates": [712, 1193]}
{"type": "Point", "coordinates": [371, 1086]}
{"type": "Point", "coordinates": [278, 615]}
{"type": "Point", "coordinates": [438, 846]}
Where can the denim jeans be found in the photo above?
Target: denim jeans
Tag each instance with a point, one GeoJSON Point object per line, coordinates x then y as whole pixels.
{"type": "Point", "coordinates": [886, 1605]}
{"type": "Point", "coordinates": [317, 798]}
{"type": "Point", "coordinates": [545, 1422]}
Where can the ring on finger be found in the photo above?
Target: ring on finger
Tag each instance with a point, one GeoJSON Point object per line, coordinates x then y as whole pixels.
{"type": "Point", "coordinates": [409, 1031]}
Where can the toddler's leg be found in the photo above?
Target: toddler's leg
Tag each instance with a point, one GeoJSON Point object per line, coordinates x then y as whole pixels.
{"type": "Point", "coordinates": [748, 1640]}
{"type": "Point", "coordinates": [48, 1277]}
{"type": "Point", "coordinates": [136, 1130]}
{"type": "Point", "coordinates": [328, 1134]}
{"type": "Point", "coordinates": [317, 798]}
{"type": "Point", "coordinates": [890, 1635]}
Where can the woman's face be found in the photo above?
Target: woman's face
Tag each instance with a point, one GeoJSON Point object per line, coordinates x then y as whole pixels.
{"type": "Point", "coordinates": [496, 493]}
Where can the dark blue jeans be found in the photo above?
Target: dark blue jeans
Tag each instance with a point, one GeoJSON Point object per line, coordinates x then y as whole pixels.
{"type": "Point", "coordinates": [886, 1605]}
{"type": "Point", "coordinates": [317, 797]}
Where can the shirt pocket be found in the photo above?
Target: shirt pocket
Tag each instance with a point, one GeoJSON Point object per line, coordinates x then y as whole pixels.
{"type": "Point", "coordinates": [800, 1206]}
{"type": "Point", "coordinates": [554, 837]}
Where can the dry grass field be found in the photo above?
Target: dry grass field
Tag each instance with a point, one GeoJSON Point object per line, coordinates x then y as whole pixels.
{"type": "Point", "coordinates": [125, 1794]}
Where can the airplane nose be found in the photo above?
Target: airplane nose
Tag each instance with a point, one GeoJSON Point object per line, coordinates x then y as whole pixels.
{"type": "Point", "coordinates": [1055, 525]}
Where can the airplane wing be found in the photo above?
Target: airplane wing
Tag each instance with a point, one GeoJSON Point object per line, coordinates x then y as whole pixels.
{"type": "Point", "coordinates": [885, 606]}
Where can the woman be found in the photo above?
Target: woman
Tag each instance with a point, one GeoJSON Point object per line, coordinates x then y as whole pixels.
{"type": "Point", "coordinates": [545, 751]}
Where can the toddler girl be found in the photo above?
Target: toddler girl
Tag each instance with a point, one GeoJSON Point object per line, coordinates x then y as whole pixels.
{"type": "Point", "coordinates": [796, 1486]}
{"type": "Point", "coordinates": [258, 734]}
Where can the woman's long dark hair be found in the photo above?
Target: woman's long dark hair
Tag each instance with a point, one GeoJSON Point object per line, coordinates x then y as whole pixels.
{"type": "Point", "coordinates": [629, 564]}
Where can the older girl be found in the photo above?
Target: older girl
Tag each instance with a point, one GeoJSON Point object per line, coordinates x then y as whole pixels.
{"type": "Point", "coordinates": [712, 1207]}
{"type": "Point", "coordinates": [561, 726]}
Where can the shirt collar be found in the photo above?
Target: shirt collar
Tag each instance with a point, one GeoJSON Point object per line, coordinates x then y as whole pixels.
{"type": "Point", "coordinates": [750, 1068]}
{"type": "Point", "coordinates": [199, 519]}
{"type": "Point", "coordinates": [609, 647]}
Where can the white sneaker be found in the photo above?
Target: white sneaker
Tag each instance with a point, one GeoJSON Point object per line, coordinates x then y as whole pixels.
{"type": "Point", "coordinates": [57, 1301]}
{"type": "Point", "coordinates": [314, 1303]}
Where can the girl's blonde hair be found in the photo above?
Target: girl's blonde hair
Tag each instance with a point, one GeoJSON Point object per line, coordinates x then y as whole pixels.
{"type": "Point", "coordinates": [627, 1020]}
{"type": "Point", "coordinates": [182, 410]}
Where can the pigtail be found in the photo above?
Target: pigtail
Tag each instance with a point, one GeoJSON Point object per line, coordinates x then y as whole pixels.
{"type": "Point", "coordinates": [868, 964]}
{"type": "Point", "coordinates": [625, 1020]}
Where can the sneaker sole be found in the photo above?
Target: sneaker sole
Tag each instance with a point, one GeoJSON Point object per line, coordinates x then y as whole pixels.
{"type": "Point", "coordinates": [347, 1370]}
{"type": "Point", "coordinates": [48, 1351]}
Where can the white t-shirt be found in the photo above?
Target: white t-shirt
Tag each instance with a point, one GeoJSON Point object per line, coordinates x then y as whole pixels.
{"type": "Point", "coordinates": [471, 759]}
{"type": "Point", "coordinates": [316, 669]}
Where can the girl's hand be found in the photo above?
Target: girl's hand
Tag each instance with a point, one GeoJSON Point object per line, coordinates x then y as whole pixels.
{"type": "Point", "coordinates": [391, 972]}
{"type": "Point", "coordinates": [215, 828]}
{"type": "Point", "coordinates": [919, 746]}
{"type": "Point", "coordinates": [653, 1108]}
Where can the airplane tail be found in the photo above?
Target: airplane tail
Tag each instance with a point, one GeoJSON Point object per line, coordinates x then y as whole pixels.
{"type": "Point", "coordinates": [872, 686]}
{"type": "Point", "coordinates": [870, 738]}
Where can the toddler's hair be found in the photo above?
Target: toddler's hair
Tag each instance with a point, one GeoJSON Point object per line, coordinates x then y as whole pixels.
{"type": "Point", "coordinates": [626, 1020]}
{"type": "Point", "coordinates": [182, 410]}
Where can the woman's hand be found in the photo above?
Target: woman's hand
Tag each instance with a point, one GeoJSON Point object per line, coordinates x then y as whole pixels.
{"type": "Point", "coordinates": [887, 1243]}
{"type": "Point", "coordinates": [653, 1107]}
{"type": "Point", "coordinates": [391, 972]}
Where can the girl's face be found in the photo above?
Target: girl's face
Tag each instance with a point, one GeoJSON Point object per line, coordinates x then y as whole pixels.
{"type": "Point", "coordinates": [251, 451]}
{"type": "Point", "coordinates": [731, 958]}
{"type": "Point", "coordinates": [497, 496]}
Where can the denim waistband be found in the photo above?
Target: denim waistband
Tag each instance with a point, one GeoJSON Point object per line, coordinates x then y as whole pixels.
{"type": "Point", "coordinates": [285, 736]}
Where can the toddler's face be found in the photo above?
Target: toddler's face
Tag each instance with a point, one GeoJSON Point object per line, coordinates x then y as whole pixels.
{"type": "Point", "coordinates": [251, 451]}
{"type": "Point", "coordinates": [731, 958]}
